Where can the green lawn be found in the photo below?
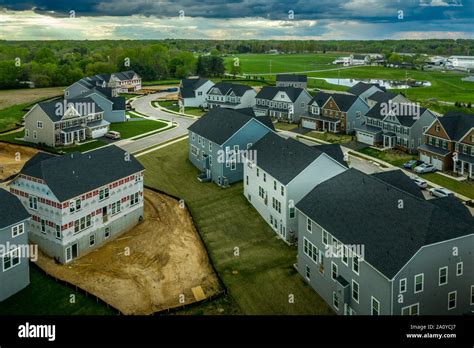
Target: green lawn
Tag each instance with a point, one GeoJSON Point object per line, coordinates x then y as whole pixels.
{"type": "Point", "coordinates": [133, 128]}
{"type": "Point", "coordinates": [394, 157]}
{"type": "Point", "coordinates": [262, 277]}
{"type": "Point", "coordinates": [128, 95]}
{"type": "Point", "coordinates": [330, 137]}
{"type": "Point", "coordinates": [285, 126]}
{"type": "Point", "coordinates": [462, 187]}
{"type": "Point", "coordinates": [10, 116]}
{"type": "Point", "coordinates": [45, 296]}
{"type": "Point", "coordinates": [173, 106]}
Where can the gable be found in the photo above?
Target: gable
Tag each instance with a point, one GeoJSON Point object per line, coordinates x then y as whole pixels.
{"type": "Point", "coordinates": [441, 133]}
{"type": "Point", "coordinates": [282, 96]}
{"type": "Point", "coordinates": [331, 104]}
{"type": "Point", "coordinates": [468, 138]}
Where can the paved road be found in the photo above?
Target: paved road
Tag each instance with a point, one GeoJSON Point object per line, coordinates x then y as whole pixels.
{"type": "Point", "coordinates": [143, 106]}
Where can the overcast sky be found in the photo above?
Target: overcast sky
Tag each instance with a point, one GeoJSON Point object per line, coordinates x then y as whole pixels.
{"type": "Point", "coordinates": [235, 19]}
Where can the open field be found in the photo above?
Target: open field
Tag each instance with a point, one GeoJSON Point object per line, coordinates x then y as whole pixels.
{"type": "Point", "coordinates": [21, 96]}
{"type": "Point", "coordinates": [167, 259]}
{"type": "Point", "coordinates": [260, 277]}
{"type": "Point", "coordinates": [13, 157]}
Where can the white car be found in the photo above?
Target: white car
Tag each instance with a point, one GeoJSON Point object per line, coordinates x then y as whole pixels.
{"type": "Point", "coordinates": [440, 192]}
{"type": "Point", "coordinates": [422, 184]}
{"type": "Point", "coordinates": [425, 168]}
{"type": "Point", "coordinates": [113, 135]}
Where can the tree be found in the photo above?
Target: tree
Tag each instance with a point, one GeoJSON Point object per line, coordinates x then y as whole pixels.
{"type": "Point", "coordinates": [236, 67]}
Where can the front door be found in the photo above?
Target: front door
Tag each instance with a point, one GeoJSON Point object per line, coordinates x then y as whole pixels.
{"type": "Point", "coordinates": [75, 251]}
{"type": "Point", "coordinates": [72, 252]}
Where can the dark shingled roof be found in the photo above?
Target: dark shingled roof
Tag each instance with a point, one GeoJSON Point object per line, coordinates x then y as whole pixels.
{"type": "Point", "coordinates": [118, 103]}
{"type": "Point", "coordinates": [398, 179]}
{"type": "Point", "coordinates": [226, 88]}
{"type": "Point", "coordinates": [188, 86]}
{"type": "Point", "coordinates": [219, 124]}
{"type": "Point", "coordinates": [379, 111]}
{"type": "Point", "coordinates": [334, 151]}
{"type": "Point", "coordinates": [343, 101]}
{"type": "Point", "coordinates": [291, 78]}
{"type": "Point", "coordinates": [456, 124]}
{"type": "Point", "coordinates": [269, 92]}
{"type": "Point", "coordinates": [320, 98]}
{"type": "Point", "coordinates": [284, 158]}
{"type": "Point", "coordinates": [124, 75]}
{"type": "Point", "coordinates": [357, 208]}
{"type": "Point", "coordinates": [74, 174]}
{"type": "Point", "coordinates": [382, 97]}
{"type": "Point", "coordinates": [82, 106]}
{"type": "Point", "coordinates": [361, 87]}
{"type": "Point", "coordinates": [11, 210]}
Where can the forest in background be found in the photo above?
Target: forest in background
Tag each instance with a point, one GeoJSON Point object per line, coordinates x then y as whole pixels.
{"type": "Point", "coordinates": [60, 63]}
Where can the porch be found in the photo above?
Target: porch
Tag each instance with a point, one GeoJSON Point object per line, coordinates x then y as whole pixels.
{"type": "Point", "coordinates": [464, 166]}
{"type": "Point", "coordinates": [69, 136]}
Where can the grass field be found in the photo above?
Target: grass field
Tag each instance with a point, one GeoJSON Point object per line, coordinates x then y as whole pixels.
{"type": "Point", "coordinates": [262, 277]}
{"type": "Point", "coordinates": [330, 137]}
{"type": "Point", "coordinates": [172, 105]}
{"type": "Point", "coordinates": [45, 296]}
{"type": "Point", "coordinates": [462, 187]}
{"type": "Point", "coordinates": [133, 128]}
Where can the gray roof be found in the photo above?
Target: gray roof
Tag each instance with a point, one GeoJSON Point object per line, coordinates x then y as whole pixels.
{"type": "Point", "coordinates": [284, 158]}
{"type": "Point", "coordinates": [369, 129]}
{"type": "Point", "coordinates": [124, 75]}
{"type": "Point", "coordinates": [291, 78]}
{"type": "Point", "coordinates": [357, 208]}
{"type": "Point", "coordinates": [456, 124]}
{"type": "Point", "coordinates": [74, 174]}
{"type": "Point", "coordinates": [382, 97]}
{"type": "Point", "coordinates": [55, 109]}
{"type": "Point", "coordinates": [361, 87]}
{"type": "Point", "coordinates": [269, 92]}
{"type": "Point", "coordinates": [344, 101]}
{"type": "Point", "coordinates": [398, 179]}
{"type": "Point", "coordinates": [219, 124]}
{"type": "Point", "coordinates": [379, 111]}
{"type": "Point", "coordinates": [226, 88]}
{"type": "Point", "coordinates": [332, 150]}
{"type": "Point", "coordinates": [434, 149]}
{"type": "Point", "coordinates": [12, 210]}
{"type": "Point", "coordinates": [188, 86]}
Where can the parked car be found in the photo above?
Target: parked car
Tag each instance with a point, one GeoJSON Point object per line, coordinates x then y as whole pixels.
{"type": "Point", "coordinates": [425, 168]}
{"type": "Point", "coordinates": [440, 192]}
{"type": "Point", "coordinates": [112, 135]}
{"type": "Point", "coordinates": [412, 163]}
{"type": "Point", "coordinates": [422, 184]}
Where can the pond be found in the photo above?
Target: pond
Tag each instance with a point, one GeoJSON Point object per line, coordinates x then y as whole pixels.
{"type": "Point", "coordinates": [388, 84]}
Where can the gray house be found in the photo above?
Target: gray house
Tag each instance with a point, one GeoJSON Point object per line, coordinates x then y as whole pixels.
{"type": "Point", "coordinates": [231, 96]}
{"type": "Point", "coordinates": [369, 246]}
{"type": "Point", "coordinates": [14, 269]}
{"type": "Point", "coordinates": [284, 104]}
{"type": "Point", "coordinates": [395, 125]}
{"type": "Point", "coordinates": [218, 140]}
{"type": "Point", "coordinates": [365, 90]}
{"type": "Point", "coordinates": [291, 80]}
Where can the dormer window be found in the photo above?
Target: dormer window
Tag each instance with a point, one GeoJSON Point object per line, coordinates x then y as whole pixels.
{"type": "Point", "coordinates": [437, 128]}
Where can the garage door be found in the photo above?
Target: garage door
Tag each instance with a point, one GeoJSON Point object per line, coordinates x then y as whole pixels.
{"type": "Point", "coordinates": [437, 163]}
{"type": "Point", "coordinates": [425, 158]}
{"type": "Point", "coordinates": [365, 138]}
{"type": "Point", "coordinates": [308, 124]}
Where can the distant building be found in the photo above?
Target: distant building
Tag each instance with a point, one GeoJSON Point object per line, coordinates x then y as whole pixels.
{"type": "Point", "coordinates": [14, 268]}
{"type": "Point", "coordinates": [121, 82]}
{"type": "Point", "coordinates": [365, 90]}
{"type": "Point", "coordinates": [291, 80]}
{"type": "Point", "coordinates": [461, 62]}
{"type": "Point", "coordinates": [353, 59]}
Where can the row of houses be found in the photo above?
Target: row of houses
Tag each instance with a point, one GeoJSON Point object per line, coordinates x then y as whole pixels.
{"type": "Point", "coordinates": [68, 206]}
{"type": "Point", "coordinates": [85, 112]}
{"type": "Point", "coordinates": [368, 244]}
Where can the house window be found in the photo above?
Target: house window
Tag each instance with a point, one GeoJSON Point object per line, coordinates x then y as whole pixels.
{"type": "Point", "coordinates": [11, 259]}
{"type": "Point", "coordinates": [358, 114]}
{"type": "Point", "coordinates": [193, 136]}
{"type": "Point", "coordinates": [78, 204]}
{"type": "Point", "coordinates": [17, 230]}
{"type": "Point", "coordinates": [292, 211]}
{"type": "Point", "coordinates": [91, 240]}
{"type": "Point", "coordinates": [355, 291]}
{"type": "Point", "coordinates": [282, 190]}
{"type": "Point", "coordinates": [194, 150]}
{"type": "Point", "coordinates": [411, 310]}
{"type": "Point", "coordinates": [335, 300]}
{"type": "Point", "coordinates": [134, 198]}
{"type": "Point", "coordinates": [333, 271]}
{"type": "Point", "coordinates": [355, 264]}
{"type": "Point", "coordinates": [43, 226]}
{"type": "Point", "coordinates": [274, 185]}
{"type": "Point", "coordinates": [419, 283]}
{"type": "Point", "coordinates": [258, 172]}
{"type": "Point", "coordinates": [308, 225]}
{"type": "Point", "coordinates": [452, 300]}
{"type": "Point", "coordinates": [375, 306]}
{"type": "Point", "coordinates": [443, 276]}
{"type": "Point", "coordinates": [58, 231]}
{"type": "Point", "coordinates": [233, 165]}
{"type": "Point", "coordinates": [345, 255]}
{"type": "Point", "coordinates": [310, 250]}
{"type": "Point", "coordinates": [264, 177]}
{"type": "Point", "coordinates": [403, 285]}
{"type": "Point", "coordinates": [107, 233]}
{"type": "Point", "coordinates": [27, 133]}
{"type": "Point", "coordinates": [116, 208]}
{"type": "Point", "coordinates": [210, 146]}
{"type": "Point", "coordinates": [325, 237]}
{"type": "Point", "coordinates": [33, 200]}
{"type": "Point", "coordinates": [261, 192]}
{"type": "Point", "coordinates": [308, 272]}
{"type": "Point", "coordinates": [247, 180]}
{"type": "Point", "coordinates": [35, 135]}
{"type": "Point", "coordinates": [103, 193]}
{"type": "Point", "coordinates": [40, 125]}
{"type": "Point", "coordinates": [459, 269]}
{"type": "Point", "coordinates": [437, 128]}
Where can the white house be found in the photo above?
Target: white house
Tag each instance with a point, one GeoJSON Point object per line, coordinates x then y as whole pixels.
{"type": "Point", "coordinates": [279, 172]}
{"type": "Point", "coordinates": [231, 96]}
{"type": "Point", "coordinates": [79, 201]}
{"type": "Point", "coordinates": [193, 92]}
{"type": "Point", "coordinates": [461, 62]}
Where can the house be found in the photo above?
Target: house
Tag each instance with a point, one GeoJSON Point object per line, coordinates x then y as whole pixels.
{"type": "Point", "coordinates": [291, 80]}
{"type": "Point", "coordinates": [461, 62]}
{"type": "Point", "coordinates": [334, 112]}
{"type": "Point", "coordinates": [218, 139]}
{"type": "Point", "coordinates": [353, 59]}
{"type": "Point", "coordinates": [385, 97]}
{"type": "Point", "coordinates": [285, 104]}
{"type": "Point", "coordinates": [121, 82]}
{"type": "Point", "coordinates": [283, 172]}
{"type": "Point", "coordinates": [193, 92]}
{"type": "Point", "coordinates": [365, 90]}
{"type": "Point", "coordinates": [449, 143]}
{"type": "Point", "coordinates": [79, 201]}
{"type": "Point", "coordinates": [231, 96]}
{"type": "Point", "coordinates": [395, 125]}
{"type": "Point", "coordinates": [14, 269]}
{"type": "Point", "coordinates": [65, 122]}
{"type": "Point", "coordinates": [107, 98]}
{"type": "Point", "coordinates": [368, 247]}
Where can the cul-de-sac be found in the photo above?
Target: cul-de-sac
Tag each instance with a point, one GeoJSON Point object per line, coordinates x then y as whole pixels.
{"type": "Point", "coordinates": [235, 176]}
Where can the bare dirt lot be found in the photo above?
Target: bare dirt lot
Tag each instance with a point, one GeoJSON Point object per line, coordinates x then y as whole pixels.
{"type": "Point", "coordinates": [20, 96]}
{"type": "Point", "coordinates": [167, 260]}
{"type": "Point", "coordinates": [13, 157]}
